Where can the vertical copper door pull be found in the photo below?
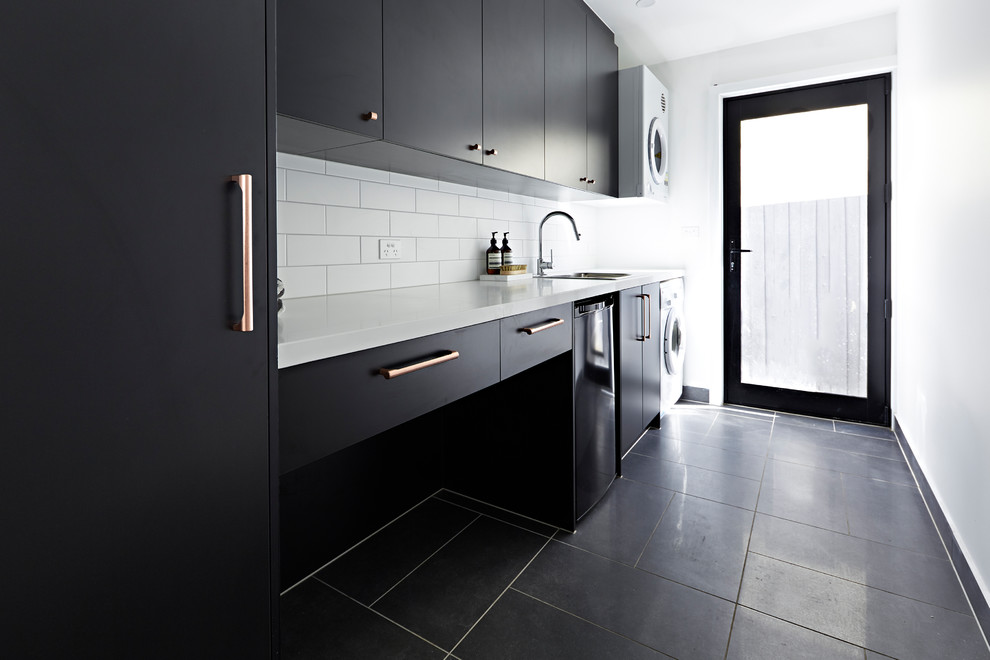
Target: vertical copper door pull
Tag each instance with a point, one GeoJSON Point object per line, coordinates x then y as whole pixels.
{"type": "Point", "coordinates": [247, 320]}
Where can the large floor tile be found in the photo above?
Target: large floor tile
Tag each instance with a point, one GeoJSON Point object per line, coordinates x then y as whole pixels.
{"type": "Point", "coordinates": [704, 456]}
{"type": "Point", "coordinates": [862, 465]}
{"type": "Point", "coordinates": [826, 439]}
{"type": "Point", "coordinates": [470, 504]}
{"type": "Point", "coordinates": [678, 423]}
{"type": "Point", "coordinates": [788, 419]}
{"type": "Point", "coordinates": [376, 565]}
{"type": "Point", "coordinates": [445, 596]}
{"type": "Point", "coordinates": [804, 494]}
{"type": "Point", "coordinates": [725, 488]}
{"type": "Point", "coordinates": [729, 425]}
{"type": "Point", "coordinates": [519, 627]}
{"type": "Point", "coordinates": [756, 636]}
{"type": "Point", "coordinates": [661, 614]}
{"type": "Point", "coordinates": [891, 513]}
{"type": "Point", "coordinates": [318, 622]}
{"type": "Point", "coordinates": [864, 429]}
{"type": "Point", "coordinates": [906, 573]}
{"type": "Point", "coordinates": [621, 524]}
{"type": "Point", "coordinates": [861, 615]}
{"type": "Point", "coordinates": [702, 544]}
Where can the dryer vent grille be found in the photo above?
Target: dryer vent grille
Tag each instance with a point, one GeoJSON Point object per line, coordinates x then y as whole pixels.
{"type": "Point", "coordinates": [663, 102]}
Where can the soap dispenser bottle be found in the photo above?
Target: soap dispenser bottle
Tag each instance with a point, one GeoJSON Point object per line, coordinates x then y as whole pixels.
{"type": "Point", "coordinates": [506, 250]}
{"type": "Point", "coordinates": [494, 256]}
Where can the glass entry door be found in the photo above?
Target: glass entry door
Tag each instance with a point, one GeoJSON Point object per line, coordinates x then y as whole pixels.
{"type": "Point", "coordinates": [806, 250]}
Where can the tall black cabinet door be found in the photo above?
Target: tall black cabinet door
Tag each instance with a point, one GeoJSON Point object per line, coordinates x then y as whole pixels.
{"type": "Point", "coordinates": [433, 93]}
{"type": "Point", "coordinates": [603, 109]}
{"type": "Point", "coordinates": [566, 94]}
{"type": "Point", "coordinates": [330, 63]}
{"type": "Point", "coordinates": [630, 339]}
{"type": "Point", "coordinates": [135, 420]}
{"type": "Point", "coordinates": [652, 355]}
{"type": "Point", "coordinates": [513, 86]}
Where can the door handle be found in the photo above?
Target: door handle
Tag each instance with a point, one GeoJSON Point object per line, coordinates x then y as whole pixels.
{"type": "Point", "coordinates": [733, 252]}
{"type": "Point", "coordinates": [247, 217]}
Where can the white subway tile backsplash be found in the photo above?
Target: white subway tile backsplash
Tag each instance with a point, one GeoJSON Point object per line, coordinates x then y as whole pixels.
{"type": "Point", "coordinates": [347, 221]}
{"type": "Point", "coordinates": [388, 197]}
{"type": "Point", "coordinates": [413, 224]}
{"type": "Point", "coordinates": [408, 181]}
{"type": "Point", "coordinates": [461, 271]}
{"type": "Point", "coordinates": [415, 274]}
{"type": "Point", "coordinates": [458, 189]}
{"type": "Point", "coordinates": [322, 250]}
{"type": "Point", "coordinates": [321, 189]}
{"type": "Point", "coordinates": [370, 252]}
{"type": "Point", "coordinates": [303, 281]}
{"type": "Point", "coordinates": [348, 171]}
{"type": "Point", "coordinates": [458, 227]}
{"type": "Point", "coordinates": [359, 277]}
{"type": "Point", "coordinates": [296, 218]}
{"type": "Point", "coordinates": [437, 249]}
{"type": "Point", "coordinates": [478, 207]}
{"type": "Point", "coordinates": [302, 163]}
{"type": "Point", "coordinates": [331, 217]}
{"type": "Point", "coordinates": [428, 201]}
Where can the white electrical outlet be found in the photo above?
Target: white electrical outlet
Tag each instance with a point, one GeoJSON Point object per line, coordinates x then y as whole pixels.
{"type": "Point", "coordinates": [389, 248]}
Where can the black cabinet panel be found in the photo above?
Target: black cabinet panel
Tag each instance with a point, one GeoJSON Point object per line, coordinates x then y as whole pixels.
{"type": "Point", "coordinates": [330, 63]}
{"type": "Point", "coordinates": [629, 380]}
{"type": "Point", "coordinates": [603, 109]}
{"type": "Point", "coordinates": [135, 466]}
{"type": "Point", "coordinates": [513, 86]}
{"type": "Point", "coordinates": [328, 405]}
{"type": "Point", "coordinates": [433, 90]}
{"type": "Point", "coordinates": [522, 350]}
{"type": "Point", "coordinates": [566, 93]}
{"type": "Point", "coordinates": [652, 356]}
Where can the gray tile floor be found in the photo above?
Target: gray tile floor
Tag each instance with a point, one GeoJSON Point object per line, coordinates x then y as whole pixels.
{"type": "Point", "coordinates": [732, 534]}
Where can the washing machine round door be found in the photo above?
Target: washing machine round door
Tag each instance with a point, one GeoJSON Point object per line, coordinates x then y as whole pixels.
{"type": "Point", "coordinates": [656, 151]}
{"type": "Point", "coordinates": [673, 342]}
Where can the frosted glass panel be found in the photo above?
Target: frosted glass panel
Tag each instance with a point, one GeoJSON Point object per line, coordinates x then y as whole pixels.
{"type": "Point", "coordinates": [804, 285]}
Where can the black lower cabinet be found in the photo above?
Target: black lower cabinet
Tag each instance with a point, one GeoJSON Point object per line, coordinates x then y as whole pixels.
{"type": "Point", "coordinates": [136, 459]}
{"type": "Point", "coordinates": [639, 343]}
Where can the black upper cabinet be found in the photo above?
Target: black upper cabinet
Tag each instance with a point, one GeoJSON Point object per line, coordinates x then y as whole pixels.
{"type": "Point", "coordinates": [330, 63]}
{"type": "Point", "coordinates": [582, 88]}
{"type": "Point", "coordinates": [433, 90]}
{"type": "Point", "coordinates": [566, 93]}
{"type": "Point", "coordinates": [603, 109]}
{"type": "Point", "coordinates": [513, 86]}
{"type": "Point", "coordinates": [135, 419]}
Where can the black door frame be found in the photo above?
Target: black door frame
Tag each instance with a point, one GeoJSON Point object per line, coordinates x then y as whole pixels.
{"type": "Point", "coordinates": [875, 91]}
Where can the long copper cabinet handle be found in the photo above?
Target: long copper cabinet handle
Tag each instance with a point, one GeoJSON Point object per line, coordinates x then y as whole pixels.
{"type": "Point", "coordinates": [247, 320]}
{"type": "Point", "coordinates": [546, 326]}
{"type": "Point", "coordinates": [401, 371]}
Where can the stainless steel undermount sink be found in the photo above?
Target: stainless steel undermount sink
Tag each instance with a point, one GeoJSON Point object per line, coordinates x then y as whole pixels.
{"type": "Point", "coordinates": [588, 275]}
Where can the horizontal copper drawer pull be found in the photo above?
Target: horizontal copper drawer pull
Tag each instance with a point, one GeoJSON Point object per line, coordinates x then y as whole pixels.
{"type": "Point", "coordinates": [545, 326]}
{"type": "Point", "coordinates": [400, 371]}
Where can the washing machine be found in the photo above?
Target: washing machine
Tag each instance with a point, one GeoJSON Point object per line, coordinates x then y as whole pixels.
{"type": "Point", "coordinates": [672, 322]}
{"type": "Point", "coordinates": [644, 151]}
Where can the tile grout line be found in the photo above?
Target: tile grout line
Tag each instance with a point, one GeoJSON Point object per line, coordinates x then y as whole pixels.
{"type": "Point", "coordinates": [749, 541]}
{"type": "Point", "coordinates": [432, 555]}
{"type": "Point", "coordinates": [655, 528]}
{"type": "Point", "coordinates": [509, 586]}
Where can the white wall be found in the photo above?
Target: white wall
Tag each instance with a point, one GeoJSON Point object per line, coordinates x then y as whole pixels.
{"type": "Point", "coordinates": [331, 217]}
{"type": "Point", "coordinates": [941, 234]}
{"type": "Point", "coordinates": [686, 232]}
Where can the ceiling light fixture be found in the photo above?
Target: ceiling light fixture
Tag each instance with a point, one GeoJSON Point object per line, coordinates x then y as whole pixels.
{"type": "Point", "coordinates": [645, 3]}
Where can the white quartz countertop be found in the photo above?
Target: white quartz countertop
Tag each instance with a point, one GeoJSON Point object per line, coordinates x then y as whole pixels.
{"type": "Point", "coordinates": [326, 326]}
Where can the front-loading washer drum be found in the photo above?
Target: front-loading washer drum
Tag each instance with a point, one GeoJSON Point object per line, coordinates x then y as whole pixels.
{"type": "Point", "coordinates": [673, 342]}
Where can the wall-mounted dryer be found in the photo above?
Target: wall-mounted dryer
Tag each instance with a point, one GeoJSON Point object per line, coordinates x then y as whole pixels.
{"type": "Point", "coordinates": [644, 151]}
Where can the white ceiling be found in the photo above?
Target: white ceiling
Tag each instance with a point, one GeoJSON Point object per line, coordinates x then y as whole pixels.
{"type": "Point", "coordinates": [672, 29]}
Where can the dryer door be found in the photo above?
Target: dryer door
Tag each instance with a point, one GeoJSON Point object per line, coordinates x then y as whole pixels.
{"type": "Point", "coordinates": [656, 151]}
{"type": "Point", "coordinates": [673, 342]}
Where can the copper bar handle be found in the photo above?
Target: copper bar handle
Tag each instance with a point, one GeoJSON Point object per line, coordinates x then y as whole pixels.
{"type": "Point", "coordinates": [546, 326]}
{"type": "Point", "coordinates": [584, 178]}
{"type": "Point", "coordinates": [247, 320]}
{"type": "Point", "coordinates": [492, 152]}
{"type": "Point", "coordinates": [474, 147]}
{"type": "Point", "coordinates": [591, 181]}
{"type": "Point", "coordinates": [401, 371]}
{"type": "Point", "coordinates": [371, 115]}
{"type": "Point", "coordinates": [649, 324]}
